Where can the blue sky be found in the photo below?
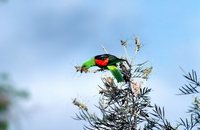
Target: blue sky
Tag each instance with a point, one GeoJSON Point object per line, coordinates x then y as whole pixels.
{"type": "Point", "coordinates": [42, 40]}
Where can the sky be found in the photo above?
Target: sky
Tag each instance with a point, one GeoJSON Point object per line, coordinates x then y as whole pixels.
{"type": "Point", "coordinates": [42, 40]}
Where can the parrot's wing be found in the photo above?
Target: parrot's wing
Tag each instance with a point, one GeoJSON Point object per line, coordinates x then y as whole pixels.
{"type": "Point", "coordinates": [116, 73]}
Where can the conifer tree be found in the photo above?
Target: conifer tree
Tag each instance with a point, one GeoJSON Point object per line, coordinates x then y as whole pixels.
{"type": "Point", "coordinates": [127, 105]}
{"type": "Point", "coordinates": [8, 97]}
{"type": "Point", "coordinates": [191, 87]}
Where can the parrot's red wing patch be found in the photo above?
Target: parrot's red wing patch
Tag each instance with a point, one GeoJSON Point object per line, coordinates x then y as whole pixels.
{"type": "Point", "coordinates": [102, 63]}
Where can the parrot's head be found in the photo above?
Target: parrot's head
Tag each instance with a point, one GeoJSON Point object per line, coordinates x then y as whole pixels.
{"type": "Point", "coordinates": [86, 65]}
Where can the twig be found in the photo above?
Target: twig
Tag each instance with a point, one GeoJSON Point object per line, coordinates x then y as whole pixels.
{"type": "Point", "coordinates": [104, 49]}
{"type": "Point", "coordinates": [124, 44]}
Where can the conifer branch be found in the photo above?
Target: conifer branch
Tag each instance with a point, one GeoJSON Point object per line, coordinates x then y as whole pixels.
{"type": "Point", "coordinates": [192, 87]}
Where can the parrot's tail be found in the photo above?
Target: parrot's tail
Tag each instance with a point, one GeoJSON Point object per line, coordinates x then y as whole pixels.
{"type": "Point", "coordinates": [116, 73]}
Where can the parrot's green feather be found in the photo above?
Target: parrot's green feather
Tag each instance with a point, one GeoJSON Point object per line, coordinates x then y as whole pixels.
{"type": "Point", "coordinates": [116, 73]}
{"type": "Point", "coordinates": [89, 63]}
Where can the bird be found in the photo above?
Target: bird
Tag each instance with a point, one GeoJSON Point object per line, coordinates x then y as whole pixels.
{"type": "Point", "coordinates": [105, 62]}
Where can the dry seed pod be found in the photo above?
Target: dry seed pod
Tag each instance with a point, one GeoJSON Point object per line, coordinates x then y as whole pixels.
{"type": "Point", "coordinates": [80, 105]}
{"type": "Point", "coordinates": [146, 72]}
{"type": "Point", "coordinates": [135, 87]}
{"type": "Point", "coordinates": [137, 43]}
{"type": "Point", "coordinates": [197, 101]}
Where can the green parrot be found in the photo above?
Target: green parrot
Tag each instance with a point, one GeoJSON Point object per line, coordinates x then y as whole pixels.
{"type": "Point", "coordinates": [105, 61]}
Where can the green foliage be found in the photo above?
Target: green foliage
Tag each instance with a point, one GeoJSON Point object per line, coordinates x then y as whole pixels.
{"type": "Point", "coordinates": [121, 107]}
{"type": "Point", "coordinates": [192, 87]}
{"type": "Point", "coordinates": [3, 125]}
{"type": "Point", "coordinates": [9, 95]}
{"type": "Point", "coordinates": [193, 84]}
{"type": "Point", "coordinates": [158, 121]}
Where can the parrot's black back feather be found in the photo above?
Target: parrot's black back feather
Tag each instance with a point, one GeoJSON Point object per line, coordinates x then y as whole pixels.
{"type": "Point", "coordinates": [112, 59]}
